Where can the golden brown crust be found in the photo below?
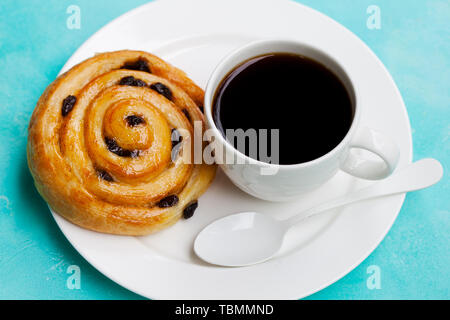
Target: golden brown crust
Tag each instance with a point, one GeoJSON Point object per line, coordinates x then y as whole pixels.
{"type": "Point", "coordinates": [67, 155]}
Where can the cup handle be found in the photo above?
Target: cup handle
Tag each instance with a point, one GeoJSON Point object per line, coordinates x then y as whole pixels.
{"type": "Point", "coordinates": [377, 143]}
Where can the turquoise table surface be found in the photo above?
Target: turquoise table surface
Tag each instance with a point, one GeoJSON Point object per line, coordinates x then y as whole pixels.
{"type": "Point", "coordinates": [413, 41]}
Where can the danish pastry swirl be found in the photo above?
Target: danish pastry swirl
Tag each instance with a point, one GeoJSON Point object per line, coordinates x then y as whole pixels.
{"type": "Point", "coordinates": [101, 144]}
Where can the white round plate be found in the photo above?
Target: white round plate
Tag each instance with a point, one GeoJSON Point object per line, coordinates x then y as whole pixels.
{"type": "Point", "coordinates": [194, 35]}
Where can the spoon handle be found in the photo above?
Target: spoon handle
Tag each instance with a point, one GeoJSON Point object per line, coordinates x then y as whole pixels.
{"type": "Point", "coordinates": [416, 176]}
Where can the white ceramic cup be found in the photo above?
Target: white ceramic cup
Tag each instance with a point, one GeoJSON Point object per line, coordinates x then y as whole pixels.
{"type": "Point", "coordinates": [286, 182]}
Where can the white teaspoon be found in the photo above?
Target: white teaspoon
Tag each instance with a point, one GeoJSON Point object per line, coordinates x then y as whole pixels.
{"type": "Point", "coordinates": [248, 238]}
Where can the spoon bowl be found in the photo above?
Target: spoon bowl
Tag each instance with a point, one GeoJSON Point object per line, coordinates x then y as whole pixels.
{"type": "Point", "coordinates": [240, 239]}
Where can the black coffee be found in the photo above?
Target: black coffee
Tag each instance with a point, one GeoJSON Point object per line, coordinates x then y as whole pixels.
{"type": "Point", "coordinates": [302, 98]}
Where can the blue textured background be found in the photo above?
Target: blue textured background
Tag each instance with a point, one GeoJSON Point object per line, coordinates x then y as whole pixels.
{"type": "Point", "coordinates": [414, 44]}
